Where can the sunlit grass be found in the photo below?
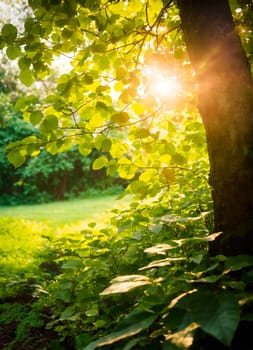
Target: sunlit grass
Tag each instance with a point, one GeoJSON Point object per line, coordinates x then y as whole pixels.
{"type": "Point", "coordinates": [65, 212]}
{"type": "Point", "coordinates": [21, 242]}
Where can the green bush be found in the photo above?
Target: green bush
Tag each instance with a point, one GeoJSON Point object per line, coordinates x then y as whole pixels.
{"type": "Point", "coordinates": [14, 128]}
{"type": "Point", "coordinates": [144, 281]}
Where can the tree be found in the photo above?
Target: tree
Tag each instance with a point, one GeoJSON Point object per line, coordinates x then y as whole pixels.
{"type": "Point", "coordinates": [226, 107]}
{"type": "Point", "coordinates": [107, 97]}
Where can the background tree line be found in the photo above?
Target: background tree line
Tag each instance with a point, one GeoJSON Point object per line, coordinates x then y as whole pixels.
{"type": "Point", "coordinates": [46, 177]}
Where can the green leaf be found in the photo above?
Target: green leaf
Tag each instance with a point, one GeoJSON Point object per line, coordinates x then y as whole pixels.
{"type": "Point", "coordinates": [236, 263]}
{"type": "Point", "coordinates": [70, 314]}
{"type": "Point", "coordinates": [131, 344]}
{"type": "Point", "coordinates": [142, 133]}
{"type": "Point", "coordinates": [100, 323]}
{"type": "Point", "coordinates": [16, 158]}
{"type": "Point", "coordinates": [26, 101]}
{"type": "Point", "coordinates": [182, 339]}
{"type": "Point", "coordinates": [127, 171]}
{"type": "Point", "coordinates": [120, 73]}
{"type": "Point", "coordinates": [93, 311]}
{"type": "Point", "coordinates": [106, 145]}
{"type": "Point", "coordinates": [119, 149]}
{"type": "Point", "coordinates": [99, 163]}
{"type": "Point", "coordinates": [218, 314]}
{"type": "Point", "coordinates": [160, 248]}
{"type": "Point", "coordinates": [9, 32]}
{"type": "Point", "coordinates": [13, 52]}
{"type": "Point", "coordinates": [132, 324]}
{"type": "Point", "coordinates": [99, 47]}
{"type": "Point", "coordinates": [84, 149]}
{"type": "Point", "coordinates": [120, 118]}
{"type": "Point", "coordinates": [88, 79]}
{"type": "Point", "coordinates": [26, 77]}
{"type": "Point", "coordinates": [64, 293]}
{"type": "Point", "coordinates": [156, 228]}
{"type": "Point", "coordinates": [72, 264]}
{"type": "Point", "coordinates": [178, 158]}
{"type": "Point", "coordinates": [49, 123]}
{"type": "Point", "coordinates": [35, 117]}
{"type": "Point", "coordinates": [161, 263]}
{"type": "Point", "coordinates": [124, 284]}
{"type": "Point", "coordinates": [138, 108]}
{"type": "Point", "coordinates": [147, 175]}
{"type": "Point", "coordinates": [24, 62]}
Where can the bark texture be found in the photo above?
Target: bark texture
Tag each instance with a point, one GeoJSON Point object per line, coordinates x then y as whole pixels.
{"type": "Point", "coordinates": [226, 107]}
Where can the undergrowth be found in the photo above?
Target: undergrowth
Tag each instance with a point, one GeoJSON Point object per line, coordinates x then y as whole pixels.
{"type": "Point", "coordinates": [144, 281]}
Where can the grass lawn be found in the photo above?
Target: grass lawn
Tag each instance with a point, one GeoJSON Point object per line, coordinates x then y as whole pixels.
{"type": "Point", "coordinates": [65, 212]}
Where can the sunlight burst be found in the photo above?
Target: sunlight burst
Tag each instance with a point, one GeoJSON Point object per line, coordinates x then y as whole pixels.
{"type": "Point", "coordinates": [163, 84]}
{"type": "Point", "coordinates": [167, 86]}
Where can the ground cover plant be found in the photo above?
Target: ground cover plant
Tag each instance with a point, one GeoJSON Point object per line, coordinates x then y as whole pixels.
{"type": "Point", "coordinates": [145, 280]}
{"type": "Point", "coordinates": [162, 90]}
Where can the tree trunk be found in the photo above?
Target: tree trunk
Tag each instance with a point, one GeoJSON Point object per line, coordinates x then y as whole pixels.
{"type": "Point", "coordinates": [226, 107]}
{"type": "Point", "coordinates": [61, 187]}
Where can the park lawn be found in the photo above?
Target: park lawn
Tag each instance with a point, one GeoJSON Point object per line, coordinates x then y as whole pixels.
{"type": "Point", "coordinates": [66, 212]}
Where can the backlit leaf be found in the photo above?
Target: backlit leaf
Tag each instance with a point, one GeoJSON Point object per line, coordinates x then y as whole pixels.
{"type": "Point", "coordinates": [13, 52]}
{"type": "Point", "coordinates": [88, 79]}
{"type": "Point", "coordinates": [84, 149]}
{"type": "Point", "coordinates": [168, 175]}
{"type": "Point", "coordinates": [99, 47]}
{"type": "Point", "coordinates": [35, 117]}
{"type": "Point", "coordinates": [120, 118]}
{"type": "Point", "coordinates": [26, 77]}
{"type": "Point", "coordinates": [106, 145]}
{"type": "Point", "coordinates": [142, 133]}
{"type": "Point", "coordinates": [120, 73]}
{"type": "Point", "coordinates": [138, 108]}
{"type": "Point", "coordinates": [119, 149]}
{"type": "Point", "coordinates": [26, 101]}
{"type": "Point", "coordinates": [49, 123]}
{"type": "Point", "coordinates": [147, 175]}
{"type": "Point", "coordinates": [127, 171]}
{"type": "Point", "coordinates": [99, 163]}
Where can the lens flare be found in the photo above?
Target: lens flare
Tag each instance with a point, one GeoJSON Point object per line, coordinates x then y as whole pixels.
{"type": "Point", "coordinates": [167, 86]}
{"type": "Point", "coordinates": [162, 84]}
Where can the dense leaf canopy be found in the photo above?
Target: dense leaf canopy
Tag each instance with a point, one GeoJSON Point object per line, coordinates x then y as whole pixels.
{"type": "Point", "coordinates": [113, 95]}
{"type": "Point", "coordinates": [126, 86]}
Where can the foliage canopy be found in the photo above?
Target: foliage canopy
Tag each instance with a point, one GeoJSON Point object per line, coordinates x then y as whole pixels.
{"type": "Point", "coordinates": [107, 100]}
